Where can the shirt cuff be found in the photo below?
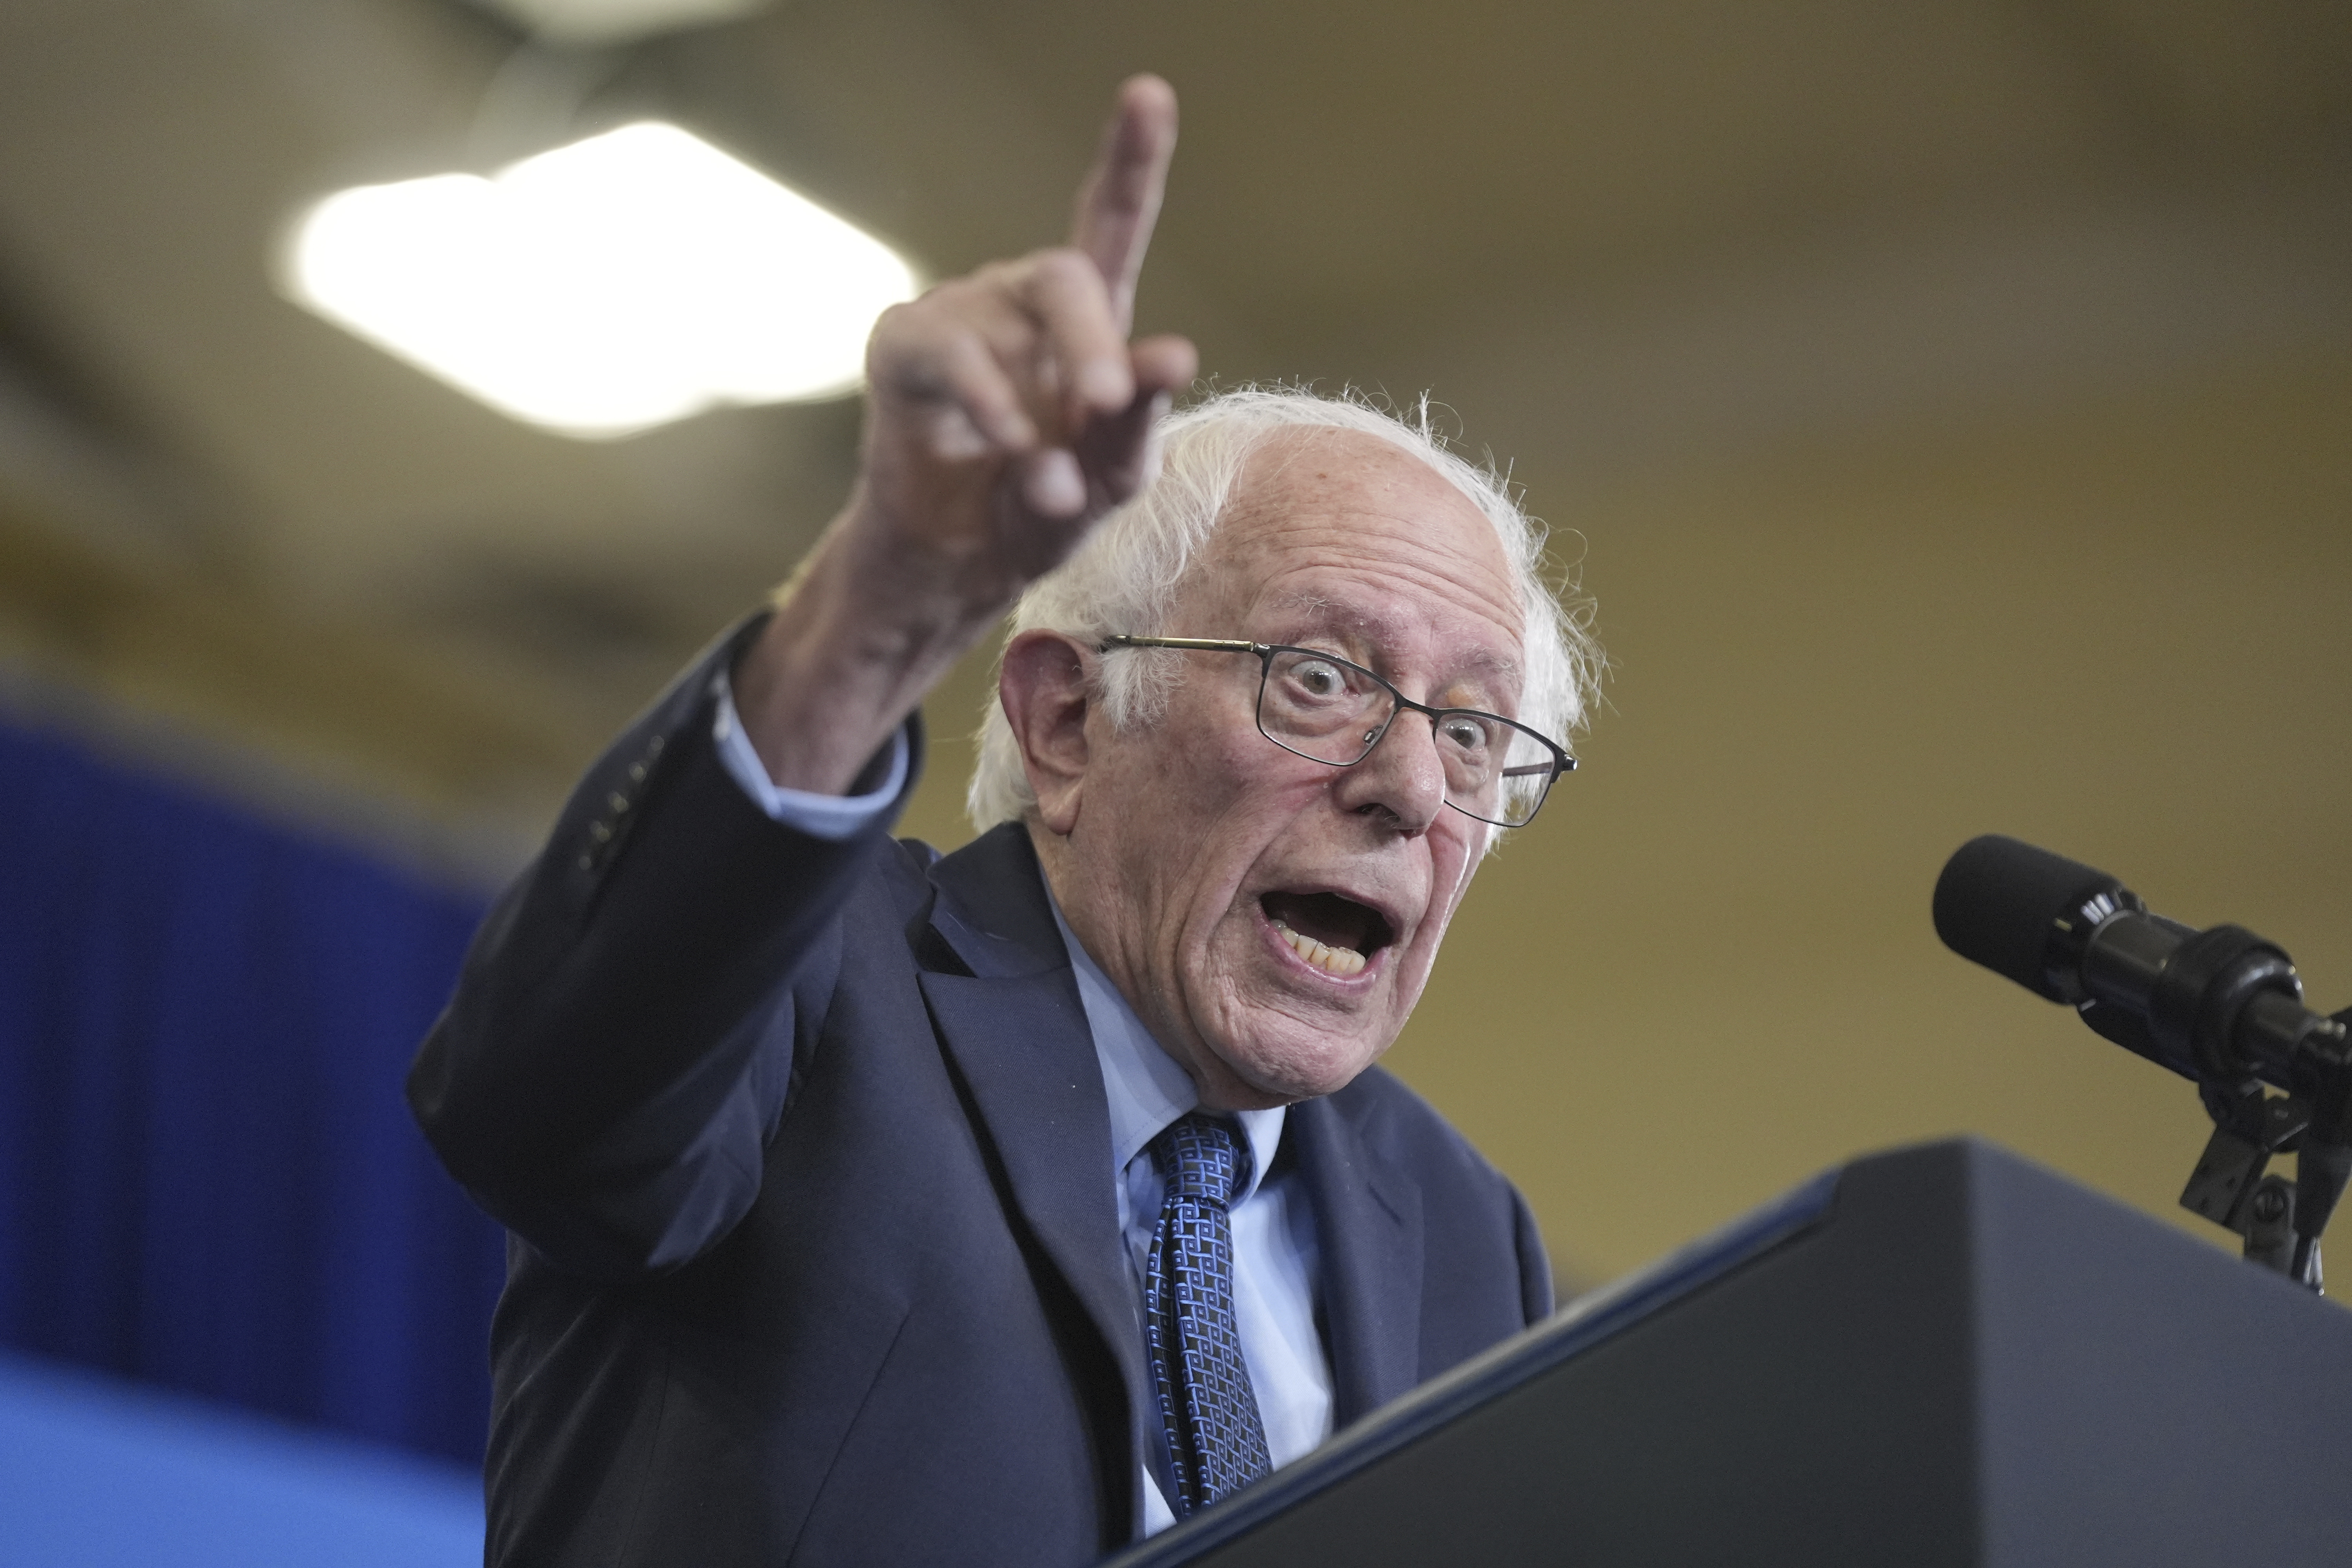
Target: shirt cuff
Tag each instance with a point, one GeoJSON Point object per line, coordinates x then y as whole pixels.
{"type": "Point", "coordinates": [827, 816]}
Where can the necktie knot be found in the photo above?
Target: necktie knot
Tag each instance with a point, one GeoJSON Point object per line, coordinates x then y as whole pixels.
{"type": "Point", "coordinates": [1202, 1159]}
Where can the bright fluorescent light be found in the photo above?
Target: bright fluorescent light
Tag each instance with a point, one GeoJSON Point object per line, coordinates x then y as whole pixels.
{"type": "Point", "coordinates": [618, 283]}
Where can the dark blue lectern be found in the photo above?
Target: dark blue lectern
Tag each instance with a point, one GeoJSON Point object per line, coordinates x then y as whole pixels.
{"type": "Point", "coordinates": [1940, 1356]}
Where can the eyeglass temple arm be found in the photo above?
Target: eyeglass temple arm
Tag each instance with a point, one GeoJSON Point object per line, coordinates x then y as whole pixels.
{"type": "Point", "coordinates": [1214, 645]}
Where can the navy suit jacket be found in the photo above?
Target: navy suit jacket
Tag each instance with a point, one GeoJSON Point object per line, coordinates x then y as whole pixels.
{"type": "Point", "coordinates": [806, 1158]}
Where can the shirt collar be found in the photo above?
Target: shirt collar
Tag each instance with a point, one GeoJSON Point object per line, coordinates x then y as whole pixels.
{"type": "Point", "coordinates": [1147, 1088]}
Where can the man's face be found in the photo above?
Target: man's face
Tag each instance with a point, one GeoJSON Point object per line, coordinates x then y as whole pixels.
{"type": "Point", "coordinates": [1204, 864]}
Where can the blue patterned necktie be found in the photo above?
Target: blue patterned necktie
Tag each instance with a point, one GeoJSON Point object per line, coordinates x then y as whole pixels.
{"type": "Point", "coordinates": [1214, 1435]}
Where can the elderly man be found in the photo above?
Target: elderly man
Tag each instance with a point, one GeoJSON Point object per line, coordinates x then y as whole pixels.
{"type": "Point", "coordinates": [875, 1206]}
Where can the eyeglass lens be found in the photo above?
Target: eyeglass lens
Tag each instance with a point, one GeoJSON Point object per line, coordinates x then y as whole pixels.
{"type": "Point", "coordinates": [1335, 711]}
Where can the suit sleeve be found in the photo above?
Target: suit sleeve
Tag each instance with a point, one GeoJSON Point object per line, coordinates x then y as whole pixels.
{"type": "Point", "coordinates": [630, 1016]}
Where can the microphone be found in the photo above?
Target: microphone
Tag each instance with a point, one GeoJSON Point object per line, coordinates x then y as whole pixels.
{"type": "Point", "coordinates": [2219, 1006]}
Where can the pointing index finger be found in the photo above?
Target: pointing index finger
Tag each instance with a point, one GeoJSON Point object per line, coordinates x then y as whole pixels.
{"type": "Point", "coordinates": [1120, 200]}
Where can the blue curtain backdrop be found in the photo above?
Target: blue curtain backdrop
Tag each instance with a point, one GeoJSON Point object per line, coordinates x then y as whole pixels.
{"type": "Point", "coordinates": [208, 1177]}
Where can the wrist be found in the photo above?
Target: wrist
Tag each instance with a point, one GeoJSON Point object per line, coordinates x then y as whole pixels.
{"type": "Point", "coordinates": [849, 651]}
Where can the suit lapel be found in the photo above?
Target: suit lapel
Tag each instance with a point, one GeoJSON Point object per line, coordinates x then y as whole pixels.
{"type": "Point", "coordinates": [1017, 1035]}
{"type": "Point", "coordinates": [1368, 1228]}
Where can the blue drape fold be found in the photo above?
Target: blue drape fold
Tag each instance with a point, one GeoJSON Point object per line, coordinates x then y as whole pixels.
{"type": "Point", "coordinates": [208, 1178]}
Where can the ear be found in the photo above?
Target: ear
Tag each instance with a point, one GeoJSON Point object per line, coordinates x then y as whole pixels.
{"type": "Point", "coordinates": [1044, 692]}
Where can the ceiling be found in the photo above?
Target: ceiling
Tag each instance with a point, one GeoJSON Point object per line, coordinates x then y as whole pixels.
{"type": "Point", "coordinates": [1951, 405]}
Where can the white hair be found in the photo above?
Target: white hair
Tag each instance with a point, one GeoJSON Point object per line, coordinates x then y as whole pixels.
{"type": "Point", "coordinates": [1125, 577]}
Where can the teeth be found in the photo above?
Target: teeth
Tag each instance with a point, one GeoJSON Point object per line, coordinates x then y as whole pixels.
{"type": "Point", "coordinates": [1341, 961]}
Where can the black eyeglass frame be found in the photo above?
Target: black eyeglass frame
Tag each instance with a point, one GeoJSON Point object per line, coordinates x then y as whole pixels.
{"type": "Point", "coordinates": [1563, 759]}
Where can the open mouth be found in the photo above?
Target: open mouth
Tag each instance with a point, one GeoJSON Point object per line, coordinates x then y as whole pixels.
{"type": "Point", "coordinates": [1337, 935]}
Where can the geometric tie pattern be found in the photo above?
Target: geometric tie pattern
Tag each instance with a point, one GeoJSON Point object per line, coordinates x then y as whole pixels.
{"type": "Point", "coordinates": [1214, 1433]}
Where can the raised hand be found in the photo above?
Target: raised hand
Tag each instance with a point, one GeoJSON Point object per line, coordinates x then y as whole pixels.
{"type": "Point", "coordinates": [1008, 409]}
{"type": "Point", "coordinates": [1007, 412]}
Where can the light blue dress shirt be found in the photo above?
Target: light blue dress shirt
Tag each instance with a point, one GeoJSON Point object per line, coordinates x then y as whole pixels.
{"type": "Point", "coordinates": [830, 816]}
{"type": "Point", "coordinates": [1275, 1249]}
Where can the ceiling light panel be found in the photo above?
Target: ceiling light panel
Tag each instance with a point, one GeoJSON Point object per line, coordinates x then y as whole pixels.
{"type": "Point", "coordinates": [603, 288]}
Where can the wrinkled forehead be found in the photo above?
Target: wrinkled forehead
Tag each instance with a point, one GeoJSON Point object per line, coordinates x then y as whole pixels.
{"type": "Point", "coordinates": [1347, 622]}
{"type": "Point", "coordinates": [1343, 532]}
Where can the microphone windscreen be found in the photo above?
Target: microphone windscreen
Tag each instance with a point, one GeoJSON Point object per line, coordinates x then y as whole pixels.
{"type": "Point", "coordinates": [1997, 899]}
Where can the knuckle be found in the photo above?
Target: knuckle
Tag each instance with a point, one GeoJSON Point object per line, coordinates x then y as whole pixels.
{"type": "Point", "coordinates": [1064, 267]}
{"type": "Point", "coordinates": [956, 300]}
{"type": "Point", "coordinates": [915, 330]}
{"type": "Point", "coordinates": [948, 368]}
{"type": "Point", "coordinates": [995, 279]}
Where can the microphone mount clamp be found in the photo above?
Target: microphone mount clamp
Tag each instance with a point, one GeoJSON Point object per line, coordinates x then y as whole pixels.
{"type": "Point", "coordinates": [2280, 1220]}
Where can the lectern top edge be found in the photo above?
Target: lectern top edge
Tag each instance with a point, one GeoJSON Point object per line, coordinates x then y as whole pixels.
{"type": "Point", "coordinates": [1584, 1322]}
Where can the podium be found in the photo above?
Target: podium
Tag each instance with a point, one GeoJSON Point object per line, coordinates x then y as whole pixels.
{"type": "Point", "coordinates": [1940, 1356]}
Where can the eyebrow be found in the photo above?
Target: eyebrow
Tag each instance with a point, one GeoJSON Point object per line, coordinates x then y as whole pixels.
{"type": "Point", "coordinates": [1321, 615]}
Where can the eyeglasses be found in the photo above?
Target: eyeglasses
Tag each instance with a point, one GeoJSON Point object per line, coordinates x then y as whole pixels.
{"type": "Point", "coordinates": [1324, 708]}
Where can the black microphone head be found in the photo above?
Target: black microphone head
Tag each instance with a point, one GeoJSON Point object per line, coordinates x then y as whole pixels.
{"type": "Point", "coordinates": [1998, 900]}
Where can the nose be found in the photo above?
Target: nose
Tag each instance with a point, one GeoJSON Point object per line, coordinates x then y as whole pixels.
{"type": "Point", "coordinates": [1404, 778]}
